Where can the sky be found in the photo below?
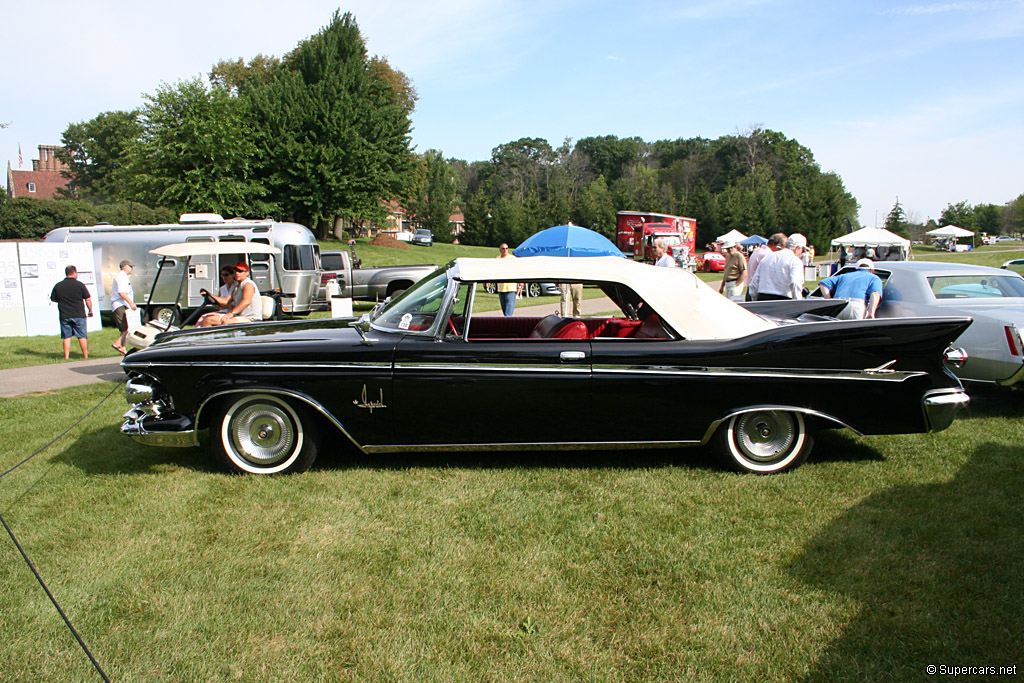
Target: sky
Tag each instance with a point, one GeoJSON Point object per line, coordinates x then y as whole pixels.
{"type": "Point", "coordinates": [920, 101]}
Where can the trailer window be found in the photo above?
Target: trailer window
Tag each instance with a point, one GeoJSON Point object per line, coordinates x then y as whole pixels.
{"type": "Point", "coordinates": [260, 257]}
{"type": "Point", "coordinates": [299, 257]}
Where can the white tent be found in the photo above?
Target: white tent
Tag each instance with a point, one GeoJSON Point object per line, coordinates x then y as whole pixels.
{"type": "Point", "coordinates": [873, 238]}
{"type": "Point", "coordinates": [950, 231]}
{"type": "Point", "coordinates": [733, 236]}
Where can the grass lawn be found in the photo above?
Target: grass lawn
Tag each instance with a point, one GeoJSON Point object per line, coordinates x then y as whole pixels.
{"type": "Point", "coordinates": [878, 557]}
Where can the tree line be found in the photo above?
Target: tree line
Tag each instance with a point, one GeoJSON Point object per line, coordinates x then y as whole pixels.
{"type": "Point", "coordinates": [322, 136]}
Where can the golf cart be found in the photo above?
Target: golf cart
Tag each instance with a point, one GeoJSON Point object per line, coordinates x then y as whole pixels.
{"type": "Point", "coordinates": [196, 266]}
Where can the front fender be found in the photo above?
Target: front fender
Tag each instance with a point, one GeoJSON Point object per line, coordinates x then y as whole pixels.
{"type": "Point", "coordinates": [310, 402]}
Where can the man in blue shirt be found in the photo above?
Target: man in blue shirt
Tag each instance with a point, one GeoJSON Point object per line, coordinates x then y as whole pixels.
{"type": "Point", "coordinates": [861, 287]}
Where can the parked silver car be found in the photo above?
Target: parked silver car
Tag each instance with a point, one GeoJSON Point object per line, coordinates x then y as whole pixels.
{"type": "Point", "coordinates": [993, 297]}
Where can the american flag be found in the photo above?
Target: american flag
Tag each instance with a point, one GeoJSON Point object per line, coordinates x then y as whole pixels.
{"type": "Point", "coordinates": [20, 160]}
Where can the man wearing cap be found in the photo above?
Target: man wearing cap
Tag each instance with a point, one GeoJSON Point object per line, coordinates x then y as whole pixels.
{"type": "Point", "coordinates": [246, 304]}
{"type": "Point", "coordinates": [122, 297]}
{"type": "Point", "coordinates": [780, 274]}
{"type": "Point", "coordinates": [735, 271]}
{"type": "Point", "coordinates": [861, 287]}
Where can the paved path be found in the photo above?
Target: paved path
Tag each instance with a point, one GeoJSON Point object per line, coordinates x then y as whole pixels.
{"type": "Point", "coordinates": [18, 381]}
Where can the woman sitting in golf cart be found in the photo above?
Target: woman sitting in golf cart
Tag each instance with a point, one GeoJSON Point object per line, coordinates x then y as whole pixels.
{"type": "Point", "coordinates": [244, 304]}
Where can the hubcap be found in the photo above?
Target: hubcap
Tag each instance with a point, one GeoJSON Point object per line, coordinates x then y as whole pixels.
{"type": "Point", "coordinates": [263, 434]}
{"type": "Point", "coordinates": [766, 436]}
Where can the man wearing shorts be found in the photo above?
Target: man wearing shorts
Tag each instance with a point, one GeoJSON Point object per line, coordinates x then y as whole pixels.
{"type": "Point", "coordinates": [122, 297]}
{"type": "Point", "coordinates": [69, 294]}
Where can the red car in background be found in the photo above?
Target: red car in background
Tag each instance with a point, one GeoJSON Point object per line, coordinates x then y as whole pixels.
{"type": "Point", "coordinates": [711, 262]}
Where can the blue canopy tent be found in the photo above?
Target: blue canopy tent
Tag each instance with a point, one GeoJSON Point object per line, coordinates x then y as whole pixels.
{"type": "Point", "coordinates": [754, 241]}
{"type": "Point", "coordinates": [567, 240]}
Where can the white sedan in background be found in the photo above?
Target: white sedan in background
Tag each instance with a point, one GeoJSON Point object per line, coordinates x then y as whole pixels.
{"type": "Point", "coordinates": [993, 297]}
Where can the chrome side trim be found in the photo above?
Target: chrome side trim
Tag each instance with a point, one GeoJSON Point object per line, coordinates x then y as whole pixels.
{"type": "Point", "coordinates": [764, 373]}
{"type": "Point", "coordinates": [545, 446]}
{"type": "Point", "coordinates": [312, 403]}
{"type": "Point", "coordinates": [494, 367]}
{"type": "Point", "coordinates": [713, 427]}
{"type": "Point", "coordinates": [255, 364]}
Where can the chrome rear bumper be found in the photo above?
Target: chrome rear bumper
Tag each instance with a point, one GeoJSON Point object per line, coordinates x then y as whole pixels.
{"type": "Point", "coordinates": [941, 407]}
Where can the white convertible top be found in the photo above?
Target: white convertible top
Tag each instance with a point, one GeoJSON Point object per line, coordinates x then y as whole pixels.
{"type": "Point", "coordinates": [688, 305]}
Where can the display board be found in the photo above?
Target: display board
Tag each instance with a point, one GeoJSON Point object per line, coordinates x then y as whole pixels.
{"type": "Point", "coordinates": [41, 266]}
{"type": "Point", "coordinates": [12, 306]}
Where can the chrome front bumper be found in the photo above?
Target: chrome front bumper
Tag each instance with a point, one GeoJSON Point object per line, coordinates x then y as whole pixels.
{"type": "Point", "coordinates": [169, 429]}
{"type": "Point", "coordinates": [942, 406]}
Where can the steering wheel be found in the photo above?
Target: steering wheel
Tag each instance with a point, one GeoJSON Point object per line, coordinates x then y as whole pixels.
{"type": "Point", "coordinates": [208, 298]}
{"type": "Point", "coordinates": [451, 325]}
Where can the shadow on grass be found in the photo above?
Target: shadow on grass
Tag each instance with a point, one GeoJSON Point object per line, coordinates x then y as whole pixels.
{"type": "Point", "coordinates": [935, 571]}
{"type": "Point", "coordinates": [990, 402]}
{"type": "Point", "coordinates": [107, 451]}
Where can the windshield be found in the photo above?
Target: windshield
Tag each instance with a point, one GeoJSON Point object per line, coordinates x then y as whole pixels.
{"type": "Point", "coordinates": [976, 286]}
{"type": "Point", "coordinates": [416, 310]}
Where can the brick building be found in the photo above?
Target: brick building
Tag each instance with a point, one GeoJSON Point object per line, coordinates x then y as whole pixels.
{"type": "Point", "coordinates": [43, 180]}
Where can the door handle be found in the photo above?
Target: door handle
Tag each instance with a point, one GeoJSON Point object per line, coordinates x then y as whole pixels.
{"type": "Point", "coordinates": [569, 356]}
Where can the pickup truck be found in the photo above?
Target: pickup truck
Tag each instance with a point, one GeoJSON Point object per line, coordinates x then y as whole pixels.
{"type": "Point", "coordinates": [365, 284]}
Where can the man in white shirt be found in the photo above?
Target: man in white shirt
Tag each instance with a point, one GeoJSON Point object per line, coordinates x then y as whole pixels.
{"type": "Point", "coordinates": [122, 297]}
{"type": "Point", "coordinates": [775, 242]}
{"type": "Point", "coordinates": [661, 255]}
{"type": "Point", "coordinates": [780, 275]}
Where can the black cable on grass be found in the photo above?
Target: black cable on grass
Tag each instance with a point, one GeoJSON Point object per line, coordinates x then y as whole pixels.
{"type": "Point", "coordinates": [28, 561]}
{"type": "Point", "coordinates": [62, 434]}
{"type": "Point", "coordinates": [60, 611]}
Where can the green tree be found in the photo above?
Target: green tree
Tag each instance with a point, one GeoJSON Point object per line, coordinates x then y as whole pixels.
{"type": "Point", "coordinates": [195, 153]}
{"type": "Point", "coordinates": [1013, 216]}
{"type": "Point", "coordinates": [96, 151]}
{"type": "Point", "coordinates": [896, 221]}
{"type": "Point", "coordinates": [988, 218]}
{"type": "Point", "coordinates": [236, 76]}
{"type": "Point", "coordinates": [609, 155]}
{"type": "Point", "coordinates": [333, 136]}
{"type": "Point", "coordinates": [434, 202]}
{"type": "Point", "coordinates": [960, 214]}
{"type": "Point", "coordinates": [30, 218]}
{"type": "Point", "coordinates": [596, 210]}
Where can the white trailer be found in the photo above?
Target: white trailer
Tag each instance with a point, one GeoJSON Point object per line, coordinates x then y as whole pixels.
{"type": "Point", "coordinates": [295, 274]}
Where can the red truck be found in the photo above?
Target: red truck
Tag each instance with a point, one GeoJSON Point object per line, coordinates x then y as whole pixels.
{"type": "Point", "coordinates": [636, 232]}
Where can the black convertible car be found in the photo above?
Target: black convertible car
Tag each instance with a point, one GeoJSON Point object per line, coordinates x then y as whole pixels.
{"type": "Point", "coordinates": [668, 363]}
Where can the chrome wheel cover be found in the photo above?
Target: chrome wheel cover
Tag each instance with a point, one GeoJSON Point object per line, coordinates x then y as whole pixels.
{"type": "Point", "coordinates": [766, 437]}
{"type": "Point", "coordinates": [261, 434]}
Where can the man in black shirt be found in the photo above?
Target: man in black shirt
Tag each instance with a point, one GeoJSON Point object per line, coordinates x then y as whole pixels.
{"type": "Point", "coordinates": [69, 294]}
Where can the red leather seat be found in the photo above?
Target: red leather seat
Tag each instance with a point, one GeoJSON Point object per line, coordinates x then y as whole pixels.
{"type": "Point", "coordinates": [575, 329]}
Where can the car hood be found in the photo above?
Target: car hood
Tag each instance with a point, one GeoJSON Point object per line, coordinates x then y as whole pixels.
{"type": "Point", "coordinates": [269, 341]}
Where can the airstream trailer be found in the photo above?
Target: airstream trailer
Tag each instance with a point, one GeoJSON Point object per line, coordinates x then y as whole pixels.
{"type": "Point", "coordinates": [296, 273]}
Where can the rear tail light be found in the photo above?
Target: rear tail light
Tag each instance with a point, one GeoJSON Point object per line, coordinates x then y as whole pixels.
{"type": "Point", "coordinates": [1014, 340]}
{"type": "Point", "coordinates": [955, 356]}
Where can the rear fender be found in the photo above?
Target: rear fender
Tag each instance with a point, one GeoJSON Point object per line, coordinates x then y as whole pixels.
{"type": "Point", "coordinates": [830, 422]}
